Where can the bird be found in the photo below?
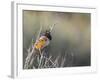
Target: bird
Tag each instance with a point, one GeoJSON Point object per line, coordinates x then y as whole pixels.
{"type": "Point", "coordinates": [43, 41]}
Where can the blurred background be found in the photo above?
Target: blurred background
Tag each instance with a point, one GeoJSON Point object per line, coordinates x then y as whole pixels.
{"type": "Point", "coordinates": [71, 35]}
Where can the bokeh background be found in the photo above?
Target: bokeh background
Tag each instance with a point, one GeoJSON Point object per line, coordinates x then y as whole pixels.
{"type": "Point", "coordinates": [71, 34]}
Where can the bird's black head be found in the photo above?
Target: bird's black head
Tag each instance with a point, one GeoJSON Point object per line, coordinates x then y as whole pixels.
{"type": "Point", "coordinates": [48, 35]}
